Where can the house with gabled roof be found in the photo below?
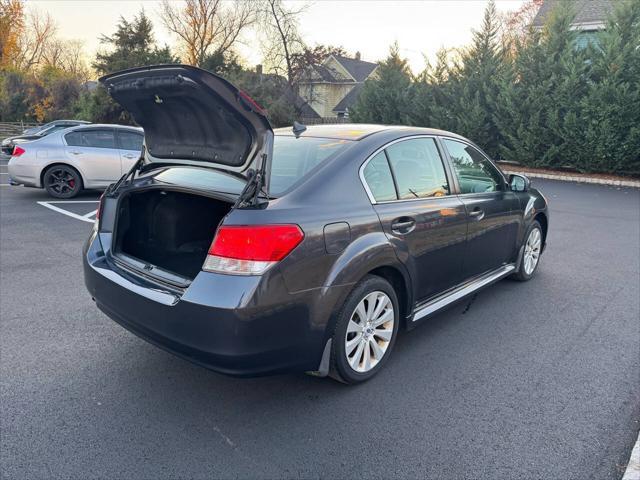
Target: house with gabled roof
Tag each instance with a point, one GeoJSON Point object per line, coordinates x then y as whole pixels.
{"type": "Point", "coordinates": [590, 17]}
{"type": "Point", "coordinates": [332, 87]}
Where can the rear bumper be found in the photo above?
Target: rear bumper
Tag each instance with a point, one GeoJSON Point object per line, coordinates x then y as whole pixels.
{"type": "Point", "coordinates": [243, 326]}
{"type": "Point", "coordinates": [21, 174]}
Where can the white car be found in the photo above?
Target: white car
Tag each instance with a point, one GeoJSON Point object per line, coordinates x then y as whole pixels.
{"type": "Point", "coordinates": [83, 157]}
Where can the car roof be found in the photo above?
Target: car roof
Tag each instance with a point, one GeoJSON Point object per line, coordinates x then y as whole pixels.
{"type": "Point", "coordinates": [103, 125]}
{"type": "Point", "coordinates": [358, 131]}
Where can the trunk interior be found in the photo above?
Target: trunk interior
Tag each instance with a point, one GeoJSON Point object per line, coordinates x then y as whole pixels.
{"type": "Point", "coordinates": [168, 229]}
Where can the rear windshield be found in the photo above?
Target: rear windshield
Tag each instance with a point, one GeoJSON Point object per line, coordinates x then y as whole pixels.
{"type": "Point", "coordinates": [294, 157]}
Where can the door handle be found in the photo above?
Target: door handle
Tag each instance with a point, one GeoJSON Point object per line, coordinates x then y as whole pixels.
{"type": "Point", "coordinates": [403, 225]}
{"type": "Point", "coordinates": [128, 155]}
{"type": "Point", "coordinates": [477, 214]}
{"type": "Point", "coordinates": [76, 152]}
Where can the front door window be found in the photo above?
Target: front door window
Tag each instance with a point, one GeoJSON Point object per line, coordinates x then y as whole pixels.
{"type": "Point", "coordinates": [475, 173]}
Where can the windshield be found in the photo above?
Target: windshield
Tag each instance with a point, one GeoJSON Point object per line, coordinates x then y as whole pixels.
{"type": "Point", "coordinates": [294, 157]}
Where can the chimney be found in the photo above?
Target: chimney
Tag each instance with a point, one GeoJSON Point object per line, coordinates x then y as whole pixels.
{"type": "Point", "coordinates": [259, 69]}
{"type": "Point", "coordinates": [357, 55]}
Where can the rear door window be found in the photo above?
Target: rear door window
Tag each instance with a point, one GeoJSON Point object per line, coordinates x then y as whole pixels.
{"type": "Point", "coordinates": [418, 169]}
{"type": "Point", "coordinates": [103, 138]}
{"type": "Point", "coordinates": [130, 140]}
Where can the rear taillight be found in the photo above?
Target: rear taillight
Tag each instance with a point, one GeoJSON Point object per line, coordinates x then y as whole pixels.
{"type": "Point", "coordinates": [96, 224]}
{"type": "Point", "coordinates": [17, 151]}
{"type": "Point", "coordinates": [251, 103]}
{"type": "Point", "coordinates": [251, 250]}
{"type": "Point", "coordinates": [100, 205]}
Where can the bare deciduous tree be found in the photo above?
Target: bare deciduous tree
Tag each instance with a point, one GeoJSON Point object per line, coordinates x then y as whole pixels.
{"type": "Point", "coordinates": [39, 31]}
{"type": "Point", "coordinates": [516, 25]}
{"type": "Point", "coordinates": [283, 40]}
{"type": "Point", "coordinates": [67, 55]}
{"type": "Point", "coordinates": [207, 27]}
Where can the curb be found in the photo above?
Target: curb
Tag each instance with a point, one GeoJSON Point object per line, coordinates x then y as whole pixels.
{"type": "Point", "coordinates": [633, 467]}
{"type": "Point", "coordinates": [577, 178]}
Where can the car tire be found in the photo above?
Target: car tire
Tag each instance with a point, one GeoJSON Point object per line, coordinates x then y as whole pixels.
{"type": "Point", "coordinates": [365, 331]}
{"type": "Point", "coordinates": [62, 181]}
{"type": "Point", "coordinates": [530, 259]}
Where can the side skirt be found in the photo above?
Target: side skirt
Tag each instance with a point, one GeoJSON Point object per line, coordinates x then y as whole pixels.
{"type": "Point", "coordinates": [447, 298]}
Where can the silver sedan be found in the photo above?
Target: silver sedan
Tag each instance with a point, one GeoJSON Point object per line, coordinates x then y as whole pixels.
{"type": "Point", "coordinates": [66, 162]}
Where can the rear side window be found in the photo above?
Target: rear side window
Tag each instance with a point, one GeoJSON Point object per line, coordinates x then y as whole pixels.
{"type": "Point", "coordinates": [378, 176]}
{"type": "Point", "coordinates": [130, 140]}
{"type": "Point", "coordinates": [418, 169]}
{"type": "Point", "coordinates": [475, 173]}
{"type": "Point", "coordinates": [294, 157]}
{"type": "Point", "coordinates": [91, 138]}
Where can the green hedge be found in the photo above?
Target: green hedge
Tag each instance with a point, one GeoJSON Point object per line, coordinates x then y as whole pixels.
{"type": "Point", "coordinates": [547, 99]}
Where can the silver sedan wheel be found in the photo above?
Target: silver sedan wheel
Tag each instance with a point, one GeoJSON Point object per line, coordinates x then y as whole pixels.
{"type": "Point", "coordinates": [532, 251]}
{"type": "Point", "coordinates": [369, 331]}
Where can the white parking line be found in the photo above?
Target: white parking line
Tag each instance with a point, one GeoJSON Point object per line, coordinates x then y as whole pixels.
{"type": "Point", "coordinates": [83, 218]}
{"type": "Point", "coordinates": [633, 467]}
{"type": "Point", "coordinates": [72, 201]}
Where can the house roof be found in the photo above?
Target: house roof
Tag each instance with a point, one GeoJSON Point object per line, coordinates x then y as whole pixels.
{"type": "Point", "coordinates": [324, 73]}
{"type": "Point", "coordinates": [358, 69]}
{"type": "Point", "coordinates": [588, 12]}
{"type": "Point", "coordinates": [349, 99]}
{"type": "Point", "coordinates": [299, 103]}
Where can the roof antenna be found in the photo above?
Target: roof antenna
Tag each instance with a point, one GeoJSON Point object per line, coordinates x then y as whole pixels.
{"type": "Point", "coordinates": [298, 129]}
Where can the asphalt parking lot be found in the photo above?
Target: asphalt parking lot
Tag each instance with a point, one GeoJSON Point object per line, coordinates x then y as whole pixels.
{"type": "Point", "coordinates": [534, 380]}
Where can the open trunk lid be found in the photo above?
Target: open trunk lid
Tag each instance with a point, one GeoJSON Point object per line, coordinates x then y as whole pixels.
{"type": "Point", "coordinates": [191, 116]}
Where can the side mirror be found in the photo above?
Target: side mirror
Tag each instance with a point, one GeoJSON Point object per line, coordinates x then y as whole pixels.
{"type": "Point", "coordinates": [519, 183]}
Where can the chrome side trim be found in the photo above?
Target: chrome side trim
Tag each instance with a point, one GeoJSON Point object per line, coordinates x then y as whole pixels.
{"type": "Point", "coordinates": [462, 291]}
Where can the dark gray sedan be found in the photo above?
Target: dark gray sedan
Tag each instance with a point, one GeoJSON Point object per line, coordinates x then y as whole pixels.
{"type": "Point", "coordinates": [252, 251]}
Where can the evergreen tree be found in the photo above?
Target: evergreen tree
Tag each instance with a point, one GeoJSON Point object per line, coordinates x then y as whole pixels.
{"type": "Point", "coordinates": [387, 98]}
{"type": "Point", "coordinates": [539, 104]}
{"type": "Point", "coordinates": [225, 64]}
{"type": "Point", "coordinates": [477, 78]}
{"type": "Point", "coordinates": [434, 91]}
{"type": "Point", "coordinates": [611, 108]}
{"type": "Point", "coordinates": [132, 45]}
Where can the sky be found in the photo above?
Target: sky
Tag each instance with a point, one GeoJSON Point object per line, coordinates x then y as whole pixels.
{"type": "Point", "coordinates": [421, 28]}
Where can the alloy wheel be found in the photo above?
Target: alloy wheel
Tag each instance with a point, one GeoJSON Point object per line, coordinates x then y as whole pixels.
{"type": "Point", "coordinates": [532, 251]}
{"type": "Point", "coordinates": [61, 181]}
{"type": "Point", "coordinates": [369, 331]}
